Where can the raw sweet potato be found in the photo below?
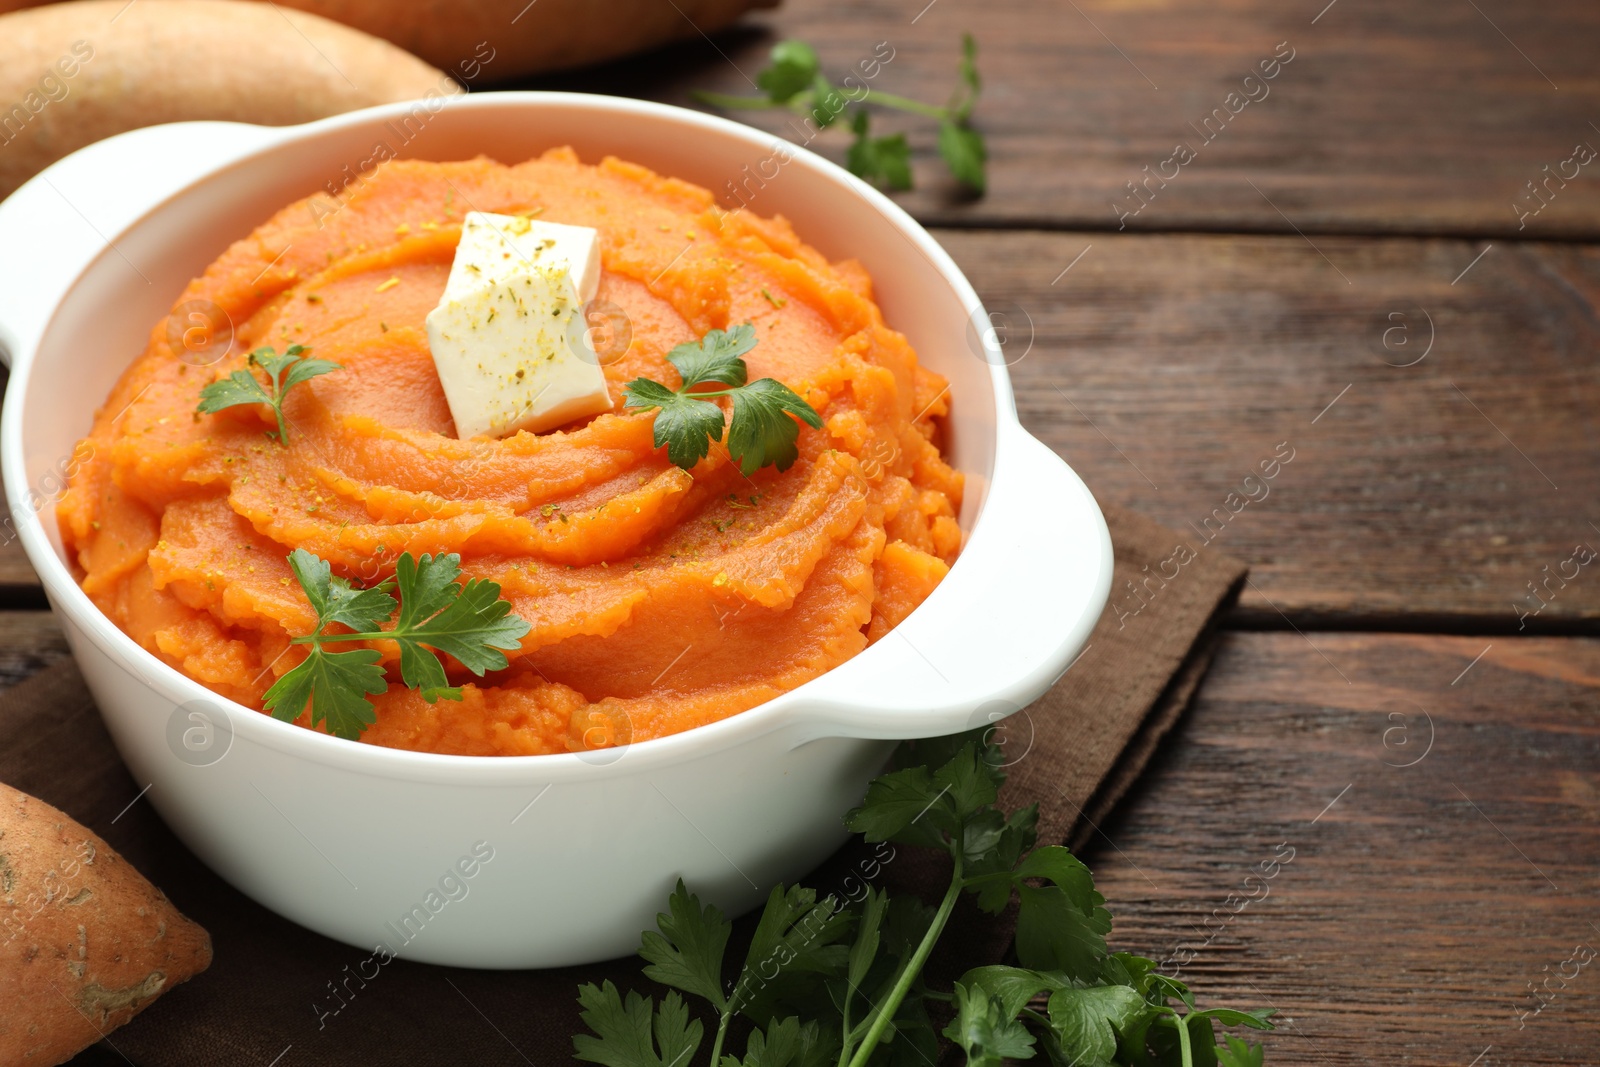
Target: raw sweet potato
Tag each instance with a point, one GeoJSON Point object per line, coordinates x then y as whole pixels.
{"type": "Point", "coordinates": [525, 37]}
{"type": "Point", "coordinates": [530, 38]}
{"type": "Point", "coordinates": [85, 942]}
{"type": "Point", "coordinates": [75, 73]}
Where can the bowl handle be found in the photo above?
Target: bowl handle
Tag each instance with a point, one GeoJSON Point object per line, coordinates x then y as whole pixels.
{"type": "Point", "coordinates": [62, 218]}
{"type": "Point", "coordinates": [1010, 618]}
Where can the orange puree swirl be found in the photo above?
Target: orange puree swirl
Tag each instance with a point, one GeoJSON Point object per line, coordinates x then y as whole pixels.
{"type": "Point", "coordinates": [659, 599]}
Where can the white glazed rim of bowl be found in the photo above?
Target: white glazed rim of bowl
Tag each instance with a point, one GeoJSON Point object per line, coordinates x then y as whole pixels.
{"type": "Point", "coordinates": [784, 710]}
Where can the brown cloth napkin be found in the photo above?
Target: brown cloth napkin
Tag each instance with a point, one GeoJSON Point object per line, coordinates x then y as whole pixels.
{"type": "Point", "coordinates": [258, 1005]}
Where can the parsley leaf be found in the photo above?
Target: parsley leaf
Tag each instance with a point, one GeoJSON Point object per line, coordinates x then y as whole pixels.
{"type": "Point", "coordinates": [794, 67]}
{"type": "Point", "coordinates": [884, 160]}
{"type": "Point", "coordinates": [961, 146]}
{"type": "Point", "coordinates": [469, 622]}
{"type": "Point", "coordinates": [624, 1031]}
{"type": "Point", "coordinates": [819, 995]}
{"type": "Point", "coordinates": [1012, 986]}
{"type": "Point", "coordinates": [990, 873]}
{"type": "Point", "coordinates": [1062, 926]}
{"type": "Point", "coordinates": [1239, 1054]}
{"type": "Point", "coordinates": [985, 1031]}
{"type": "Point", "coordinates": [715, 357]}
{"type": "Point", "coordinates": [965, 97]}
{"type": "Point", "coordinates": [917, 807]}
{"type": "Point", "coordinates": [687, 953]}
{"type": "Point", "coordinates": [964, 153]}
{"type": "Point", "coordinates": [901, 806]}
{"type": "Point", "coordinates": [868, 935]}
{"type": "Point", "coordinates": [335, 600]}
{"type": "Point", "coordinates": [801, 929]}
{"type": "Point", "coordinates": [283, 373]}
{"type": "Point", "coordinates": [797, 937]}
{"type": "Point", "coordinates": [827, 102]}
{"type": "Point", "coordinates": [1255, 1020]}
{"type": "Point", "coordinates": [970, 780]}
{"type": "Point", "coordinates": [337, 685]}
{"type": "Point", "coordinates": [1165, 988]}
{"type": "Point", "coordinates": [1136, 972]}
{"type": "Point", "coordinates": [793, 80]}
{"type": "Point", "coordinates": [240, 387]}
{"type": "Point", "coordinates": [762, 431]}
{"type": "Point", "coordinates": [1087, 1019]}
{"type": "Point", "coordinates": [688, 419]}
{"type": "Point", "coordinates": [685, 425]}
{"type": "Point", "coordinates": [786, 1043]}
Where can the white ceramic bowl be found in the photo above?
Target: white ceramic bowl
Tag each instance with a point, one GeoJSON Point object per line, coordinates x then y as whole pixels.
{"type": "Point", "coordinates": [347, 838]}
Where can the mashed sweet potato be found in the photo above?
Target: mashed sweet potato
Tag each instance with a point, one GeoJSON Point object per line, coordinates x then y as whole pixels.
{"type": "Point", "coordinates": [659, 599]}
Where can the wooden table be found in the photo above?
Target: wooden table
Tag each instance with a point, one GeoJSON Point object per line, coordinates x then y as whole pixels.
{"type": "Point", "coordinates": [1351, 265]}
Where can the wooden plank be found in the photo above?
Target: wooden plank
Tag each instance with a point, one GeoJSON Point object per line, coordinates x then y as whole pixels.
{"type": "Point", "coordinates": [29, 641]}
{"type": "Point", "coordinates": [1409, 117]}
{"type": "Point", "coordinates": [1167, 369]}
{"type": "Point", "coordinates": [1420, 901]}
{"type": "Point", "coordinates": [19, 585]}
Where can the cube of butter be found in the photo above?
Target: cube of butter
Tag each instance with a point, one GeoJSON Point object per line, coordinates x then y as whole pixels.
{"type": "Point", "coordinates": [505, 342]}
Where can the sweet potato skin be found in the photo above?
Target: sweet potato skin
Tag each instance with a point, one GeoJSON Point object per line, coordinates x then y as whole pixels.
{"type": "Point", "coordinates": [74, 73]}
{"type": "Point", "coordinates": [532, 38]}
{"type": "Point", "coordinates": [525, 38]}
{"type": "Point", "coordinates": [86, 943]}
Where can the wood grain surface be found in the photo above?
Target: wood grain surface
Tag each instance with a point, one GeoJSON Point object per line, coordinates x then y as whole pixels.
{"type": "Point", "coordinates": [29, 641]}
{"type": "Point", "coordinates": [1167, 368]}
{"type": "Point", "coordinates": [1385, 837]}
{"type": "Point", "coordinates": [1351, 270]}
{"type": "Point", "coordinates": [1413, 117]}
{"type": "Point", "coordinates": [1422, 900]}
{"type": "Point", "coordinates": [19, 584]}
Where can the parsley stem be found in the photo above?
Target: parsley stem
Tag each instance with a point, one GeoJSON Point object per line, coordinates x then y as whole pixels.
{"type": "Point", "coordinates": [905, 103]}
{"type": "Point", "coordinates": [844, 1027]}
{"type": "Point", "coordinates": [375, 635]}
{"type": "Point", "coordinates": [1183, 1039]}
{"type": "Point", "coordinates": [877, 96]}
{"type": "Point", "coordinates": [897, 995]}
{"type": "Point", "coordinates": [722, 1032]}
{"type": "Point", "coordinates": [987, 879]}
{"type": "Point", "coordinates": [736, 103]}
{"type": "Point", "coordinates": [277, 402]}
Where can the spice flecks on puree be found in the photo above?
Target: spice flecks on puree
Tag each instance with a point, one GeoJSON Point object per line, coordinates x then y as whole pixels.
{"type": "Point", "coordinates": [659, 599]}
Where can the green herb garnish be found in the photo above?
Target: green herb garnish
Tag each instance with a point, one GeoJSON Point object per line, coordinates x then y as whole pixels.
{"type": "Point", "coordinates": [761, 431]}
{"type": "Point", "coordinates": [793, 79]}
{"type": "Point", "coordinates": [283, 373]}
{"type": "Point", "coordinates": [832, 983]}
{"type": "Point", "coordinates": [885, 160]}
{"type": "Point", "coordinates": [435, 614]}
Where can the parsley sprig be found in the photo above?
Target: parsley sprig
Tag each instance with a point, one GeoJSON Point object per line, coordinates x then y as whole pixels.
{"type": "Point", "coordinates": [435, 614]}
{"type": "Point", "coordinates": [827, 983]}
{"type": "Point", "coordinates": [793, 79]}
{"type": "Point", "coordinates": [283, 373]}
{"type": "Point", "coordinates": [761, 431]}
